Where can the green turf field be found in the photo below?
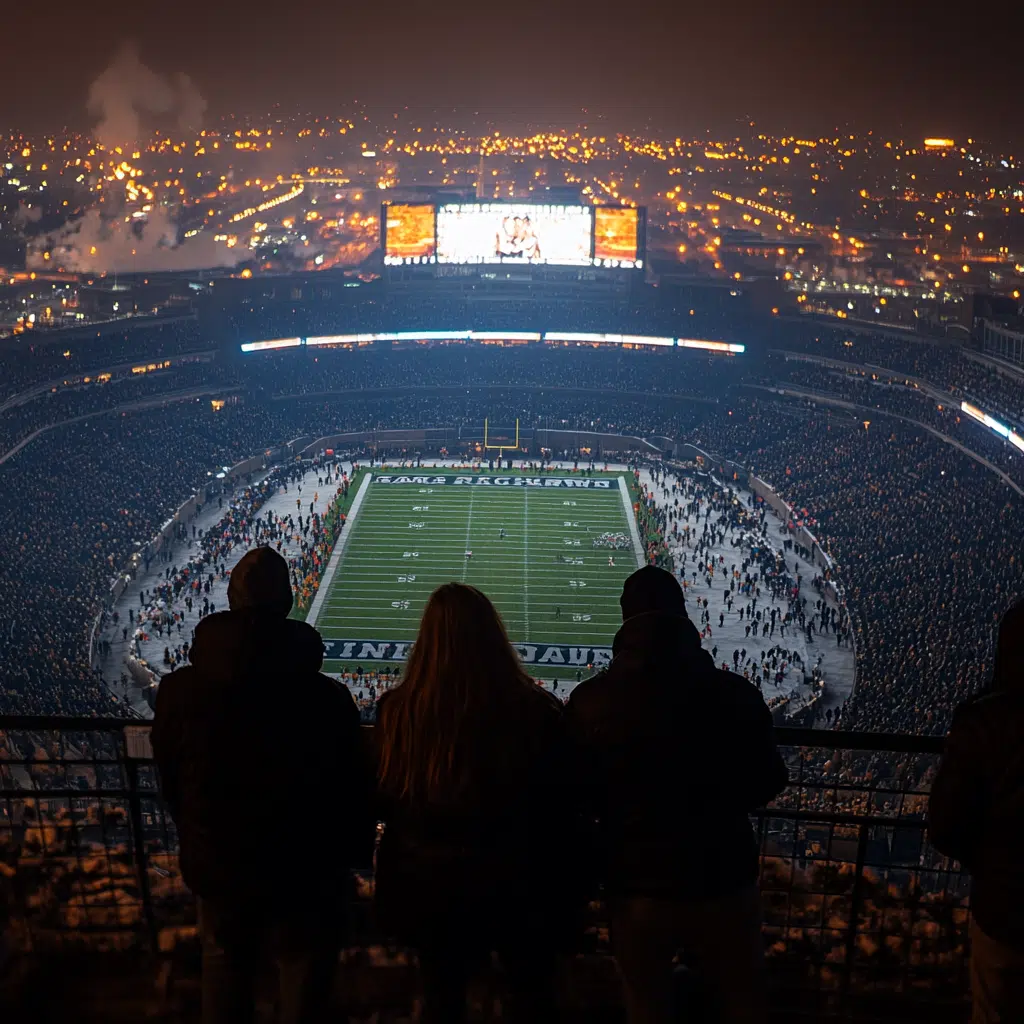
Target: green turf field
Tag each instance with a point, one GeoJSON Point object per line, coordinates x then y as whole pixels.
{"type": "Point", "coordinates": [552, 586]}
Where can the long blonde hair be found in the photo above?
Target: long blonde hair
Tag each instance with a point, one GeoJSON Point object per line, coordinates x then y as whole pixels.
{"type": "Point", "coordinates": [444, 728]}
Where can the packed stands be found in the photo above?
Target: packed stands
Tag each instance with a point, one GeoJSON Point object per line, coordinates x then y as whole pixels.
{"type": "Point", "coordinates": [923, 537]}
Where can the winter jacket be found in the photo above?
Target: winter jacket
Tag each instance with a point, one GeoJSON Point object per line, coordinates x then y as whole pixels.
{"type": "Point", "coordinates": [673, 754]}
{"type": "Point", "coordinates": [976, 808]}
{"type": "Point", "coordinates": [263, 765]}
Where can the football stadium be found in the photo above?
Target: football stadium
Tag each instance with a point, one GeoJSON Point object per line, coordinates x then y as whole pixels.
{"type": "Point", "coordinates": [530, 399]}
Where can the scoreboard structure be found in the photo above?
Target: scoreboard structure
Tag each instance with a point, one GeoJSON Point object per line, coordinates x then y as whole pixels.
{"type": "Point", "coordinates": [513, 233]}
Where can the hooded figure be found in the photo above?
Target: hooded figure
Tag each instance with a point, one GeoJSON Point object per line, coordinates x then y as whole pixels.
{"type": "Point", "coordinates": [1008, 670]}
{"type": "Point", "coordinates": [674, 753]}
{"type": "Point", "coordinates": [976, 815]}
{"type": "Point", "coordinates": [263, 768]}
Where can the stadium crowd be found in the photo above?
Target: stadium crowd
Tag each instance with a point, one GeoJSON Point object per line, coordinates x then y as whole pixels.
{"type": "Point", "coordinates": [193, 561]}
{"type": "Point", "coordinates": [78, 503]}
{"type": "Point", "coordinates": [899, 397]}
{"type": "Point", "coordinates": [922, 536]}
{"type": "Point", "coordinates": [37, 357]}
{"type": "Point", "coordinates": [755, 571]}
{"type": "Point", "coordinates": [66, 402]}
{"type": "Point", "coordinates": [944, 364]}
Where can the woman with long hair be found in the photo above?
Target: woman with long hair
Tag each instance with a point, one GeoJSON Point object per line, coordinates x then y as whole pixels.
{"type": "Point", "coordinates": [475, 797]}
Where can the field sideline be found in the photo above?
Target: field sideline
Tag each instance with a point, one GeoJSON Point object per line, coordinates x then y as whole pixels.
{"type": "Point", "coordinates": [555, 589]}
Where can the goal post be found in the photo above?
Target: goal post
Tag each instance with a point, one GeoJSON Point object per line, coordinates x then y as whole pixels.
{"type": "Point", "coordinates": [504, 444]}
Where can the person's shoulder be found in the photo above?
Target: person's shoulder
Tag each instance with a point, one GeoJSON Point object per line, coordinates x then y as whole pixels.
{"type": "Point", "coordinates": [302, 643]}
{"type": "Point", "coordinates": [303, 634]}
{"type": "Point", "coordinates": [990, 706]}
{"type": "Point", "coordinates": [331, 698]}
{"type": "Point", "coordinates": [591, 687]}
{"type": "Point", "coordinates": [176, 682]}
{"type": "Point", "coordinates": [739, 691]}
{"type": "Point", "coordinates": [217, 622]}
{"type": "Point", "coordinates": [543, 703]}
{"type": "Point", "coordinates": [591, 694]}
{"type": "Point", "coordinates": [175, 691]}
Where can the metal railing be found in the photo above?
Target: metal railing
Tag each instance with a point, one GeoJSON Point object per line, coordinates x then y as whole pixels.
{"type": "Point", "coordinates": [857, 904]}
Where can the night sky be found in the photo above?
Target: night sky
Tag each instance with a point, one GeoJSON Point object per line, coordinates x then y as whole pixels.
{"type": "Point", "coordinates": [907, 67]}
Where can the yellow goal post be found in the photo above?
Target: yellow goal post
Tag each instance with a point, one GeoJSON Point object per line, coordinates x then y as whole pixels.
{"type": "Point", "coordinates": [504, 446]}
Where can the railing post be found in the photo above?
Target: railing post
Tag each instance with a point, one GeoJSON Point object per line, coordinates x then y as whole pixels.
{"type": "Point", "coordinates": [139, 845]}
{"type": "Point", "coordinates": [855, 900]}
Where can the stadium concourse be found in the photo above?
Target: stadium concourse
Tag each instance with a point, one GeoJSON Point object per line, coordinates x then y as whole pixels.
{"type": "Point", "coordinates": [136, 641]}
{"type": "Point", "coordinates": [148, 633]}
{"type": "Point", "coordinates": [781, 664]}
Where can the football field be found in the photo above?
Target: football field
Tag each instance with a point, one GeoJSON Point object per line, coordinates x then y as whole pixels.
{"type": "Point", "coordinates": [550, 552]}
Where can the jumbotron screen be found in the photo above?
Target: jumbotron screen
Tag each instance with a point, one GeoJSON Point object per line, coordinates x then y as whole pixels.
{"type": "Point", "coordinates": [615, 233]}
{"type": "Point", "coordinates": [558, 234]}
{"type": "Point", "coordinates": [514, 233]}
{"type": "Point", "coordinates": [410, 232]}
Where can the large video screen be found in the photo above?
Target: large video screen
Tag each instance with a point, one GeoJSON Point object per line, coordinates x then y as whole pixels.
{"type": "Point", "coordinates": [409, 233]}
{"type": "Point", "coordinates": [514, 233]}
{"type": "Point", "coordinates": [615, 233]}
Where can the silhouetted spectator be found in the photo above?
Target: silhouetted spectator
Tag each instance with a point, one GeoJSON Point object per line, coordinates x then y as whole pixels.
{"type": "Point", "coordinates": [681, 859]}
{"type": "Point", "coordinates": [263, 768]}
{"type": "Point", "coordinates": [976, 814]}
{"type": "Point", "coordinates": [473, 781]}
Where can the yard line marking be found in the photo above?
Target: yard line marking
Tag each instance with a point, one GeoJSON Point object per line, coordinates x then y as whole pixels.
{"type": "Point", "coordinates": [469, 526]}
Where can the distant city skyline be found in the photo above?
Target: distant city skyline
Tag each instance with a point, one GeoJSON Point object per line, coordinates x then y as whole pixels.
{"type": "Point", "coordinates": [910, 69]}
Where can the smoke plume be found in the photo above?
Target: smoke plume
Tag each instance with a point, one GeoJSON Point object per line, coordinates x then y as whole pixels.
{"type": "Point", "coordinates": [131, 100]}
{"type": "Point", "coordinates": [25, 215]}
{"type": "Point", "coordinates": [127, 92]}
{"type": "Point", "coordinates": [94, 244]}
{"type": "Point", "coordinates": [191, 105]}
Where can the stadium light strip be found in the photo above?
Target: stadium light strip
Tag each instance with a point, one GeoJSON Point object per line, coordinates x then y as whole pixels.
{"type": "Point", "coordinates": [607, 339]}
{"type": "Point", "coordinates": [504, 335]}
{"type": "Point", "coordinates": [349, 339]}
{"type": "Point", "coordinates": [711, 346]}
{"type": "Point", "coordinates": [340, 339]}
{"type": "Point", "coordinates": [426, 336]}
{"type": "Point", "coordinates": [566, 336]}
{"type": "Point", "coordinates": [993, 424]}
{"type": "Point", "coordinates": [263, 346]}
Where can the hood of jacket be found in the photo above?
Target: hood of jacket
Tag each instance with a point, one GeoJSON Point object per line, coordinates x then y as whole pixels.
{"type": "Point", "coordinates": [661, 639]}
{"type": "Point", "coordinates": [251, 643]}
